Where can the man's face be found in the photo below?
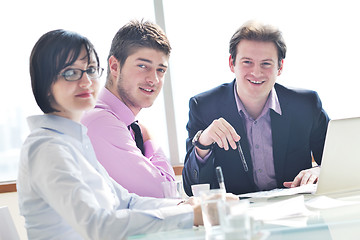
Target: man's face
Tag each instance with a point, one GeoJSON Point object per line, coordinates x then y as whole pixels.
{"type": "Point", "coordinates": [141, 78]}
{"type": "Point", "coordinates": [256, 68]}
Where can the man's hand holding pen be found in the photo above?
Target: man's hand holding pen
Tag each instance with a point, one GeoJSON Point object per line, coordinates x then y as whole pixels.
{"type": "Point", "coordinates": [225, 136]}
{"type": "Point", "coordinates": [221, 133]}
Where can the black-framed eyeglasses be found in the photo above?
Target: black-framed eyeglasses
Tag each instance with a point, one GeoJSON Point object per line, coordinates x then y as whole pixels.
{"type": "Point", "coordinates": [74, 74]}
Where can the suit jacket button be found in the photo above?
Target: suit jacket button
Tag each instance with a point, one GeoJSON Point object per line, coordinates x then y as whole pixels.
{"type": "Point", "coordinates": [195, 174]}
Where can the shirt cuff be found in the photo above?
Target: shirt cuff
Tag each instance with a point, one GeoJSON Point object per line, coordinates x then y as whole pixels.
{"type": "Point", "coordinates": [182, 214]}
{"type": "Point", "coordinates": [200, 159]}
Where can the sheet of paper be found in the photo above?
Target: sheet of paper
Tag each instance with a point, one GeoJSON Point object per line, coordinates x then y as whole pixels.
{"type": "Point", "coordinates": [290, 222]}
{"type": "Point", "coordinates": [308, 188]}
{"type": "Point", "coordinates": [323, 202]}
{"type": "Point", "coordinates": [290, 208]}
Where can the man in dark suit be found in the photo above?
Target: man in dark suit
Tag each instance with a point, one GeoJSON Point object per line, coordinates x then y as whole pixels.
{"type": "Point", "coordinates": [278, 129]}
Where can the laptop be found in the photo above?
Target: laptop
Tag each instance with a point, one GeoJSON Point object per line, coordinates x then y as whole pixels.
{"type": "Point", "coordinates": [340, 166]}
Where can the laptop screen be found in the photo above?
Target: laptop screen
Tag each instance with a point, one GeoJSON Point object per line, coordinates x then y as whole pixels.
{"type": "Point", "coordinates": [340, 166]}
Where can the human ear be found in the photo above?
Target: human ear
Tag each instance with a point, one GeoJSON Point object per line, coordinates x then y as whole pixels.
{"type": "Point", "coordinates": [280, 67]}
{"type": "Point", "coordinates": [231, 63]}
{"type": "Point", "coordinates": [114, 66]}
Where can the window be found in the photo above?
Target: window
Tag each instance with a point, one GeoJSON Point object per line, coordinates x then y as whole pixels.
{"type": "Point", "coordinates": [22, 24]}
{"type": "Point", "coordinates": [322, 38]}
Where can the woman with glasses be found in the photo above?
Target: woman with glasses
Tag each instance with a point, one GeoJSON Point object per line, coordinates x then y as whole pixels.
{"type": "Point", "coordinates": [64, 193]}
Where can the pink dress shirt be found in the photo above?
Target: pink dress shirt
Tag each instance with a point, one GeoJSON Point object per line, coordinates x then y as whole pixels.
{"type": "Point", "coordinates": [116, 149]}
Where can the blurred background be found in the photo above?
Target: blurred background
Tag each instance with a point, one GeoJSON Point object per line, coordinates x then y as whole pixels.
{"type": "Point", "coordinates": [322, 37]}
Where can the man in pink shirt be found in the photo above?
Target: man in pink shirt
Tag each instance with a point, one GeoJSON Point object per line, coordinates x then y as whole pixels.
{"type": "Point", "coordinates": [137, 64]}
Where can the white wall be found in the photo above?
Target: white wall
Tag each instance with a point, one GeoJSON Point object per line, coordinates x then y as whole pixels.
{"type": "Point", "coordinates": [322, 37]}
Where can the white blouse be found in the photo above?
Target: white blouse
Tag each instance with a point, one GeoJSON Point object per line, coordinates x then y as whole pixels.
{"type": "Point", "coordinates": [65, 193]}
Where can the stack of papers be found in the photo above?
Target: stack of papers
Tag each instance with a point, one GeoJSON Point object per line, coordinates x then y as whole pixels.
{"type": "Point", "coordinates": [291, 208]}
{"type": "Point", "coordinates": [308, 188]}
{"type": "Point", "coordinates": [293, 211]}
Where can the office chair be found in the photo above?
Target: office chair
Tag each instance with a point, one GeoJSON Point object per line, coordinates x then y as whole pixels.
{"type": "Point", "coordinates": [7, 227]}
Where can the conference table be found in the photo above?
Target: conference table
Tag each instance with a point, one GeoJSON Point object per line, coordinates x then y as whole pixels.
{"type": "Point", "coordinates": [335, 223]}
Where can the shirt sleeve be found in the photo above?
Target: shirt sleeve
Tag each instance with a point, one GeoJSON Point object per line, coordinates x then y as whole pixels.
{"type": "Point", "coordinates": [116, 150]}
{"type": "Point", "coordinates": [205, 158]}
{"type": "Point", "coordinates": [318, 132]}
{"type": "Point", "coordinates": [193, 164]}
{"type": "Point", "coordinates": [84, 200]}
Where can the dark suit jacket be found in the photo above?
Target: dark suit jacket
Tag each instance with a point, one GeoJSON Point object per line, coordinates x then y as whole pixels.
{"type": "Point", "coordinates": [297, 133]}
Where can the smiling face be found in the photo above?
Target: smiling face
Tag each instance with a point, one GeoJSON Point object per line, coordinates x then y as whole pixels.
{"type": "Point", "coordinates": [72, 98]}
{"type": "Point", "coordinates": [256, 68]}
{"type": "Point", "coordinates": [139, 81]}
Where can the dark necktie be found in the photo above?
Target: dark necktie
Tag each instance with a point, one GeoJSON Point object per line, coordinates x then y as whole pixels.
{"type": "Point", "coordinates": [138, 136]}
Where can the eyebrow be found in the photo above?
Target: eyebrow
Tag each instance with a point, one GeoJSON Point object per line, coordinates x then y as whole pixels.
{"type": "Point", "coordinates": [269, 59]}
{"type": "Point", "coordinates": [246, 58]}
{"type": "Point", "coordinates": [84, 60]}
{"type": "Point", "coordinates": [264, 60]}
{"type": "Point", "coordinates": [87, 57]}
{"type": "Point", "coordinates": [149, 61]}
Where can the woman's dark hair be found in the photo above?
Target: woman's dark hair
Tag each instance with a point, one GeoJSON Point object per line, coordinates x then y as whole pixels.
{"type": "Point", "coordinates": [54, 51]}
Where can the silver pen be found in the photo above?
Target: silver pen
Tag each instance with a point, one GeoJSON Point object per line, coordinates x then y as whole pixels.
{"type": "Point", "coordinates": [242, 157]}
{"type": "Point", "coordinates": [220, 177]}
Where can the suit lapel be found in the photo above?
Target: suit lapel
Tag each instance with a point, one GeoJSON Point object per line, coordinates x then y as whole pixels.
{"type": "Point", "coordinates": [230, 113]}
{"type": "Point", "coordinates": [280, 127]}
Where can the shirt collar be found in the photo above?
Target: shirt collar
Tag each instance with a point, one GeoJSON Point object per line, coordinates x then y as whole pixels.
{"type": "Point", "coordinates": [107, 100]}
{"type": "Point", "coordinates": [57, 124]}
{"type": "Point", "coordinates": [271, 103]}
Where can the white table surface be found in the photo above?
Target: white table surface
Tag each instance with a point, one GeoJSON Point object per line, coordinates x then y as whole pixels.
{"type": "Point", "coordinates": [336, 224]}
